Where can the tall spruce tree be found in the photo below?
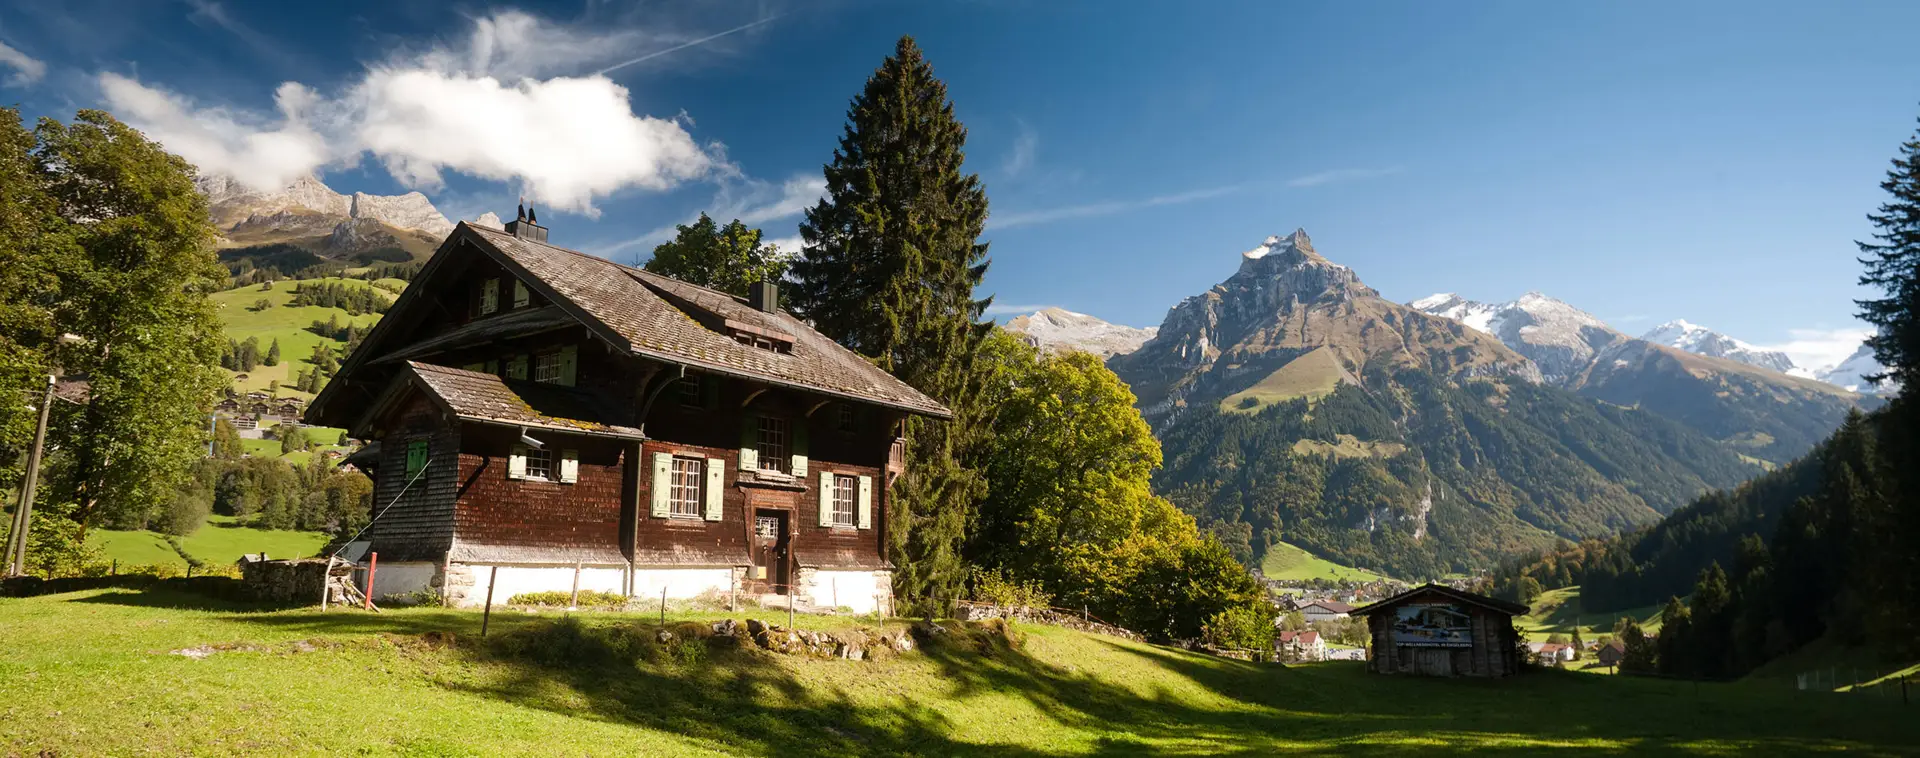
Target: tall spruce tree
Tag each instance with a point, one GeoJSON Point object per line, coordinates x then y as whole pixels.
{"type": "Point", "coordinates": [1893, 265]}
{"type": "Point", "coordinates": [890, 261]}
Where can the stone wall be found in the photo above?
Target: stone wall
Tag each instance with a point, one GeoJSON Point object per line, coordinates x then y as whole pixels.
{"type": "Point", "coordinates": [968, 611]}
{"type": "Point", "coordinates": [296, 581]}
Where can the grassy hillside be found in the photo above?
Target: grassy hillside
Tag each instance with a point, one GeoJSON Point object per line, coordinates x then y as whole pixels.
{"type": "Point", "coordinates": [1287, 562]}
{"type": "Point", "coordinates": [286, 324]}
{"type": "Point", "coordinates": [221, 540]}
{"type": "Point", "coordinates": [1556, 611]}
{"type": "Point", "coordinates": [1312, 376]}
{"type": "Point", "coordinates": [91, 673]}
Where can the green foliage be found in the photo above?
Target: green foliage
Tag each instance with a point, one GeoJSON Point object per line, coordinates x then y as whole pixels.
{"type": "Point", "coordinates": [560, 599]}
{"type": "Point", "coordinates": [135, 296]}
{"type": "Point", "coordinates": [1892, 264]}
{"type": "Point", "coordinates": [273, 353]}
{"type": "Point", "coordinates": [57, 544]}
{"type": "Point", "coordinates": [37, 250]}
{"type": "Point", "coordinates": [1639, 653]}
{"type": "Point", "coordinates": [1244, 627]}
{"type": "Point", "coordinates": [728, 258]}
{"type": "Point", "coordinates": [891, 259]}
{"type": "Point", "coordinates": [354, 300]}
{"type": "Point", "coordinates": [292, 438]}
{"type": "Point", "coordinates": [998, 587]}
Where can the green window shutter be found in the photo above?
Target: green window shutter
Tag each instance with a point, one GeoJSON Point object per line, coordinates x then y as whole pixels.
{"type": "Point", "coordinates": [716, 487]}
{"type": "Point", "coordinates": [493, 367]}
{"type": "Point", "coordinates": [481, 366]}
{"type": "Point", "coordinates": [416, 457]}
{"type": "Point", "coordinates": [489, 296]}
{"type": "Point", "coordinates": [520, 295]}
{"type": "Point", "coordinates": [710, 392]}
{"type": "Point", "coordinates": [799, 456]}
{"type": "Point", "coordinates": [569, 466]}
{"type": "Point", "coordinates": [749, 442]}
{"type": "Point", "coordinates": [662, 481]}
{"type": "Point", "coordinates": [826, 498]}
{"type": "Point", "coordinates": [517, 462]}
{"type": "Point", "coordinates": [517, 367]}
{"type": "Point", "coordinates": [865, 514]}
{"type": "Point", "coordinates": [569, 364]}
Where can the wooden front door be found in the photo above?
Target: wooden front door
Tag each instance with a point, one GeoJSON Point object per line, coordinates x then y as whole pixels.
{"type": "Point", "coordinates": [770, 544]}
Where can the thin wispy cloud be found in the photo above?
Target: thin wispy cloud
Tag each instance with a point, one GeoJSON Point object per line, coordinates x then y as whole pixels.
{"type": "Point", "coordinates": [1340, 175]}
{"type": "Point", "coordinates": [753, 201]}
{"type": "Point", "coordinates": [208, 11]}
{"type": "Point", "coordinates": [26, 68]}
{"type": "Point", "coordinates": [685, 45]}
{"type": "Point", "coordinates": [1091, 210]}
{"type": "Point", "coordinates": [1821, 348]}
{"type": "Point", "coordinates": [1025, 147]}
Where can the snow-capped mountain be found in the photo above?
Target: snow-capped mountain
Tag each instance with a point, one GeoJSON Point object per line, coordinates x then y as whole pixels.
{"type": "Point", "coordinates": [1852, 374]}
{"type": "Point", "coordinates": [307, 201]}
{"type": "Point", "coordinates": [1062, 329]}
{"type": "Point", "coordinates": [1700, 340]}
{"type": "Point", "coordinates": [1558, 337]}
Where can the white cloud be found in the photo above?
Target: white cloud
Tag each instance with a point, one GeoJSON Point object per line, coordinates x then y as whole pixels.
{"type": "Point", "coordinates": [1025, 148]}
{"type": "Point", "coordinates": [997, 309]}
{"type": "Point", "coordinates": [479, 108]}
{"type": "Point", "coordinates": [1820, 349]}
{"type": "Point", "coordinates": [1340, 175]}
{"type": "Point", "coordinates": [1029, 218]}
{"type": "Point", "coordinates": [26, 69]}
{"type": "Point", "coordinates": [255, 151]}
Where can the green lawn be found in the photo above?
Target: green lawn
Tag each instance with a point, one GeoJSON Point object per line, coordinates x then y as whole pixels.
{"type": "Point", "coordinates": [93, 673]}
{"type": "Point", "coordinates": [220, 541]}
{"type": "Point", "coordinates": [1287, 562]}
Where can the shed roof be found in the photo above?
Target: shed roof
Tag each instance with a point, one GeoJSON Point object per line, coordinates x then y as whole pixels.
{"type": "Point", "coordinates": [1490, 603]}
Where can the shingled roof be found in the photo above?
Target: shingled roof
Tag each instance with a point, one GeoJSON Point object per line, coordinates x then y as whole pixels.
{"type": "Point", "coordinates": [475, 396]}
{"type": "Point", "coordinates": [647, 314]}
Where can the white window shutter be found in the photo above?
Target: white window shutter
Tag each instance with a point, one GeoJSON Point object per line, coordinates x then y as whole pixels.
{"type": "Point", "coordinates": [826, 498]}
{"type": "Point", "coordinates": [716, 487]}
{"type": "Point", "coordinates": [489, 296]}
{"type": "Point", "coordinates": [520, 295]}
{"type": "Point", "coordinates": [866, 502]}
{"type": "Point", "coordinates": [799, 463]}
{"type": "Point", "coordinates": [517, 462]}
{"type": "Point", "coordinates": [749, 459]}
{"type": "Point", "coordinates": [569, 364]}
{"type": "Point", "coordinates": [662, 482]}
{"type": "Point", "coordinates": [569, 466]}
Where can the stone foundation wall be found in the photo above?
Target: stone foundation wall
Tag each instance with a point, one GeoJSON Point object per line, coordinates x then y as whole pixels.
{"type": "Point", "coordinates": [968, 611]}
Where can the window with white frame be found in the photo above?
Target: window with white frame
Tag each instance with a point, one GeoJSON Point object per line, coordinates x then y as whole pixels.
{"type": "Point", "coordinates": [772, 445]}
{"type": "Point", "coordinates": [689, 388]}
{"type": "Point", "coordinates": [546, 367]}
{"type": "Point", "coordinates": [539, 463]}
{"type": "Point", "coordinates": [845, 500]}
{"type": "Point", "coordinates": [684, 494]}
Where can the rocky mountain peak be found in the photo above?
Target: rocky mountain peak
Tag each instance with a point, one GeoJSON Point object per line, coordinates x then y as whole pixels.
{"type": "Point", "coordinates": [1287, 268]}
{"type": "Point", "coordinates": [1558, 337]}
{"type": "Point", "coordinates": [1056, 329]}
{"type": "Point", "coordinates": [307, 202]}
{"type": "Point", "coordinates": [1697, 339]}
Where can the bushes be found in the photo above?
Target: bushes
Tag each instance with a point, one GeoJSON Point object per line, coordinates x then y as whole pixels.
{"type": "Point", "coordinates": [588, 599]}
{"type": "Point", "coordinates": [1246, 627]}
{"type": "Point", "coordinates": [998, 587]}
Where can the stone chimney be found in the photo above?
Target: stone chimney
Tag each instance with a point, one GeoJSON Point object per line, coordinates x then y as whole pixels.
{"type": "Point", "coordinates": [526, 225]}
{"type": "Point", "coordinates": [764, 296]}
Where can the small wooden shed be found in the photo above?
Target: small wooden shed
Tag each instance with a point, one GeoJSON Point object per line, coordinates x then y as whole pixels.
{"type": "Point", "coordinates": [1436, 630]}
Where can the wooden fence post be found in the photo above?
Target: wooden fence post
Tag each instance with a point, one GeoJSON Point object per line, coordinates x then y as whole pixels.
{"type": "Point", "coordinates": [493, 578]}
{"type": "Point", "coordinates": [790, 594]}
{"type": "Point", "coordinates": [373, 564]}
{"type": "Point", "coordinates": [573, 601]}
{"type": "Point", "coordinates": [663, 605]}
{"type": "Point", "coordinates": [326, 578]}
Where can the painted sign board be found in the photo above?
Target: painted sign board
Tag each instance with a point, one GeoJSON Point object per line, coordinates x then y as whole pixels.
{"type": "Point", "coordinates": [1432, 625]}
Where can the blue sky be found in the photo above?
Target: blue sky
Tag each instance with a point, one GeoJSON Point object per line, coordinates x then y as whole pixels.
{"type": "Point", "coordinates": [1644, 161]}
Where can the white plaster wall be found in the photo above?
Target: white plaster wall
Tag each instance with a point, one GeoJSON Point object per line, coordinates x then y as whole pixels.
{"type": "Point", "coordinates": [398, 578]}
{"type": "Point", "coordinates": [515, 580]}
{"type": "Point", "coordinates": [682, 583]}
{"type": "Point", "coordinates": [855, 590]}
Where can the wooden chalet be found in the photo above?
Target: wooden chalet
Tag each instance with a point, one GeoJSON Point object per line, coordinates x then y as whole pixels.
{"type": "Point", "coordinates": [552, 414]}
{"type": "Point", "coordinates": [1436, 630]}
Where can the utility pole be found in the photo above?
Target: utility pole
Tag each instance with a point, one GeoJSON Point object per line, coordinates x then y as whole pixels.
{"type": "Point", "coordinates": [23, 514]}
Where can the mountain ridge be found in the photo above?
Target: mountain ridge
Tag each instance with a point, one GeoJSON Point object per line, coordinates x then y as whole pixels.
{"type": "Point", "coordinates": [1055, 328]}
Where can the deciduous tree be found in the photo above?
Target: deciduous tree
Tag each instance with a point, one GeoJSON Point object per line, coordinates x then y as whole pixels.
{"type": "Point", "coordinates": [727, 258]}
